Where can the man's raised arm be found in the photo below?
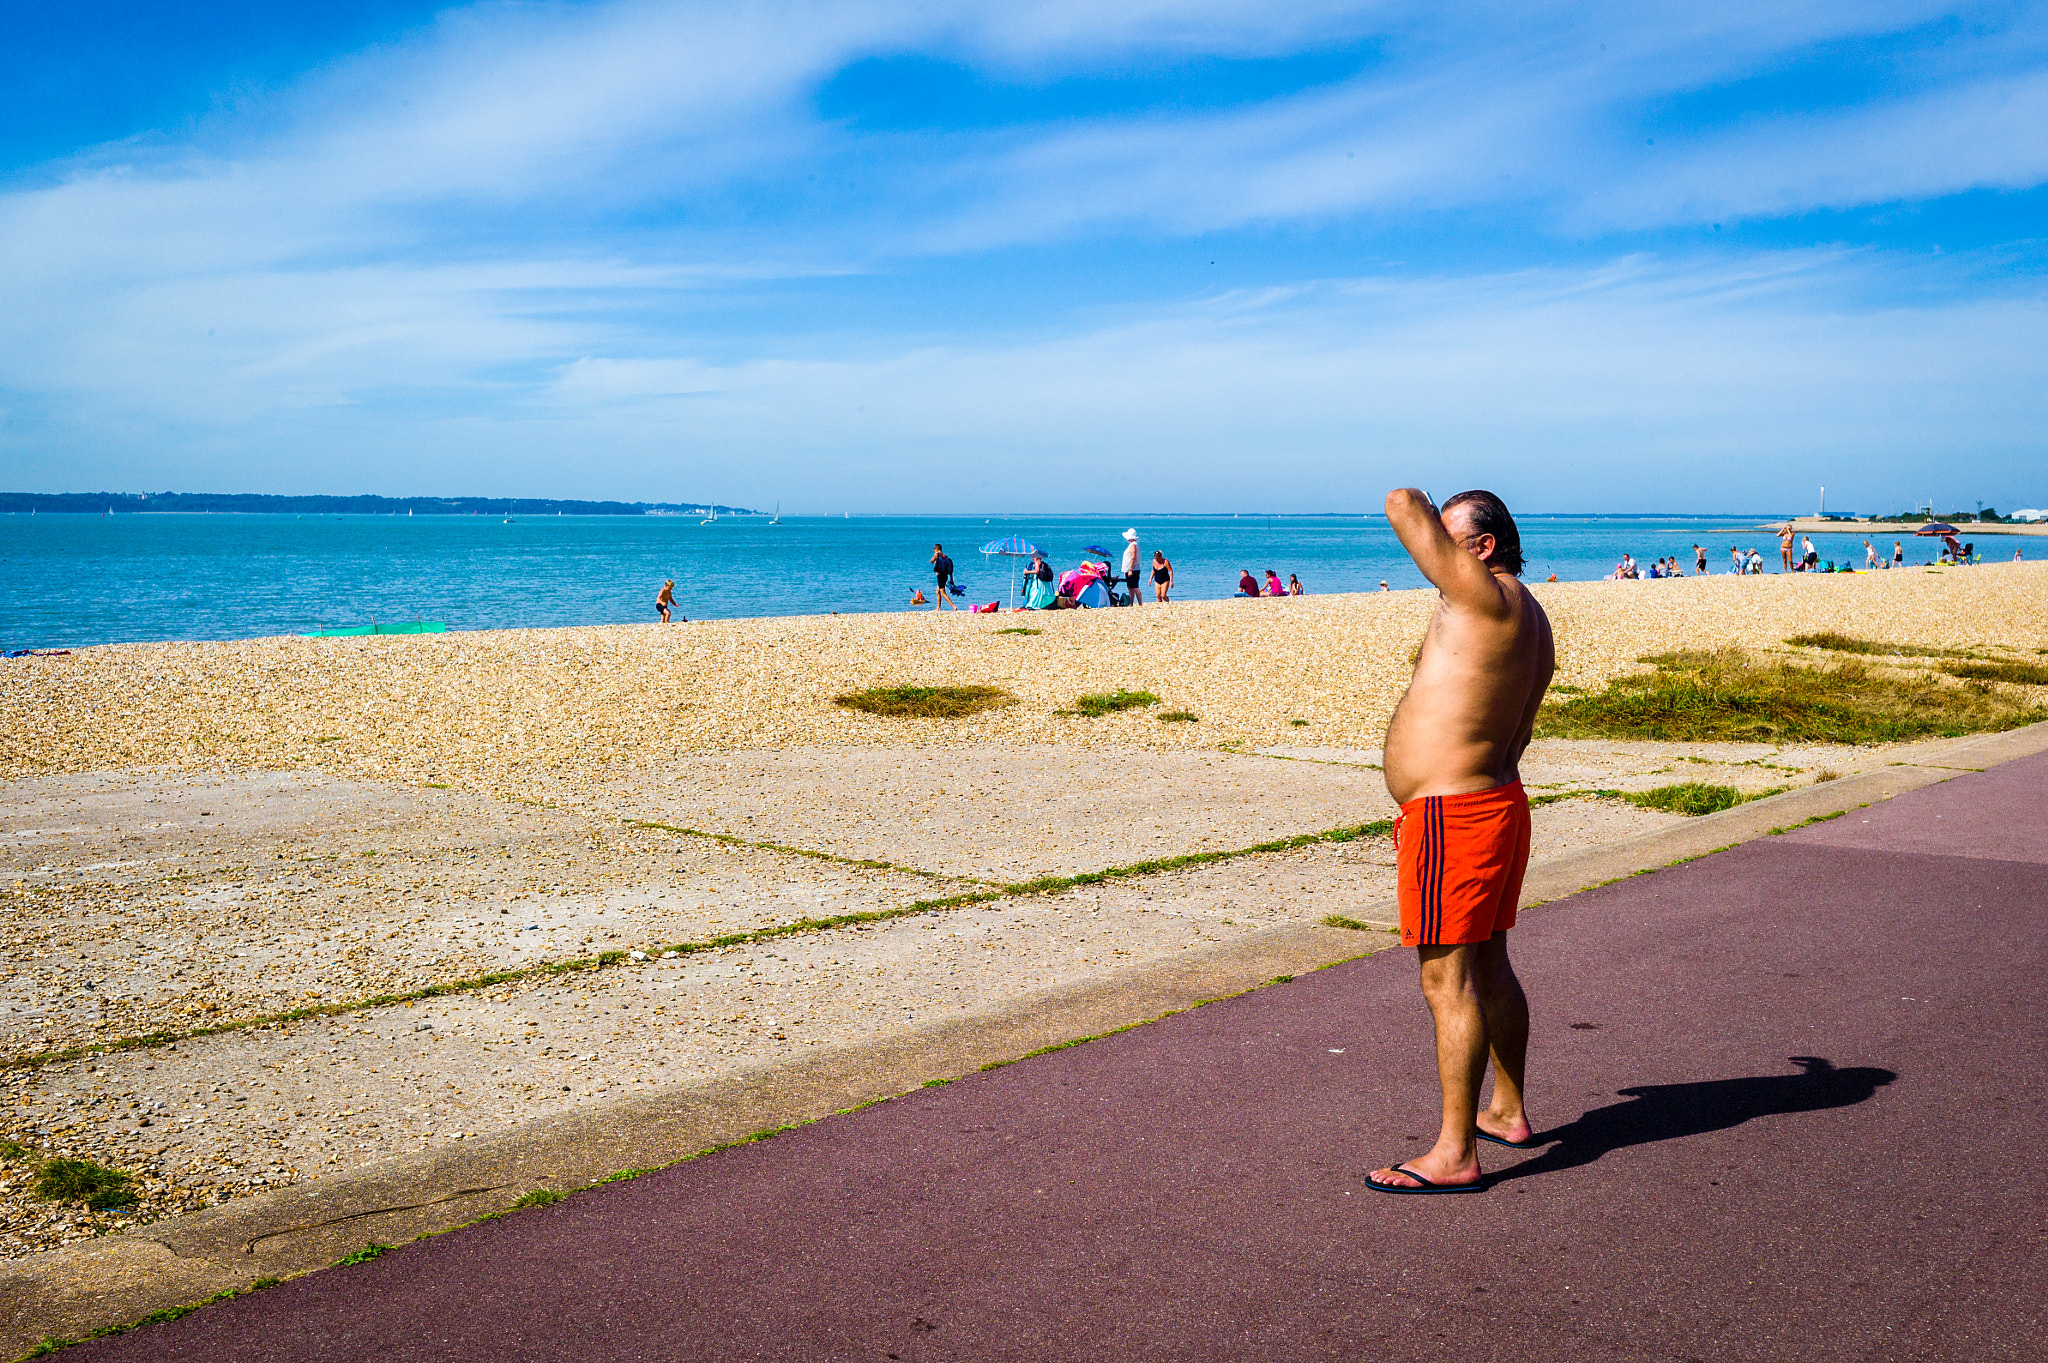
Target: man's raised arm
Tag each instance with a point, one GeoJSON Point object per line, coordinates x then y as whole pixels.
{"type": "Point", "coordinates": [1454, 569]}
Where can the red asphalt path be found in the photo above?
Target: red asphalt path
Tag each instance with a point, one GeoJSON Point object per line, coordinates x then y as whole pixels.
{"type": "Point", "coordinates": [1793, 1093]}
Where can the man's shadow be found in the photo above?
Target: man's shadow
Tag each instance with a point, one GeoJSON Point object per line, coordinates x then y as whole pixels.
{"type": "Point", "coordinates": [1663, 1112]}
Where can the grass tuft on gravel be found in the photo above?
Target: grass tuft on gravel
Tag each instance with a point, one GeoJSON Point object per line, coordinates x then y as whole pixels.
{"type": "Point", "coordinates": [1849, 643]}
{"type": "Point", "coordinates": [1702, 697]}
{"type": "Point", "coordinates": [1689, 797]}
{"type": "Point", "coordinates": [79, 1180]}
{"type": "Point", "coordinates": [1019, 629]}
{"type": "Point", "coordinates": [2020, 674]}
{"type": "Point", "coordinates": [1109, 702]}
{"type": "Point", "coordinates": [926, 702]}
{"type": "Point", "coordinates": [1180, 717]}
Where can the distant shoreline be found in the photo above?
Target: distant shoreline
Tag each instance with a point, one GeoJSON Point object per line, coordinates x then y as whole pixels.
{"type": "Point", "coordinates": [1813, 525]}
{"type": "Point", "coordinates": [270, 504]}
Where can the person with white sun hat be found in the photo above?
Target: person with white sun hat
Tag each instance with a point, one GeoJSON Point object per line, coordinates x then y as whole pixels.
{"type": "Point", "coordinates": [1131, 565]}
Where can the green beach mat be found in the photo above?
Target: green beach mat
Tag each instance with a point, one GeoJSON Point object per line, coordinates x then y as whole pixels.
{"type": "Point", "coordinates": [402, 627]}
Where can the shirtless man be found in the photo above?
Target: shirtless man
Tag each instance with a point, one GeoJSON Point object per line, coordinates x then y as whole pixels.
{"type": "Point", "coordinates": [1453, 755]}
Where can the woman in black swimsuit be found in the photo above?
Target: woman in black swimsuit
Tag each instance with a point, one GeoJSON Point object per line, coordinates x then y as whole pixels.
{"type": "Point", "coordinates": [1162, 577]}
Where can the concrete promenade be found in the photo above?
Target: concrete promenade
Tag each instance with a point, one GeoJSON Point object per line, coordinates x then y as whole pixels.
{"type": "Point", "coordinates": [1791, 1096]}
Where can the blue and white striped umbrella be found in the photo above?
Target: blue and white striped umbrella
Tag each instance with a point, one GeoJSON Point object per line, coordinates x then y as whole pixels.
{"type": "Point", "coordinates": [1016, 546]}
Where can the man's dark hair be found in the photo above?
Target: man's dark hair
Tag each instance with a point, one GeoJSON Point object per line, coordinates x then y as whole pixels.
{"type": "Point", "coordinates": [1490, 517]}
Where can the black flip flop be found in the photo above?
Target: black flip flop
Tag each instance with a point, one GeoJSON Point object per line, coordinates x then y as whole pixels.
{"type": "Point", "coordinates": [1427, 1186]}
{"type": "Point", "coordinates": [1529, 1144]}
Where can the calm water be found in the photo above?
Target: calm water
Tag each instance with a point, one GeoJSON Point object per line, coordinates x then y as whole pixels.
{"type": "Point", "coordinates": [72, 580]}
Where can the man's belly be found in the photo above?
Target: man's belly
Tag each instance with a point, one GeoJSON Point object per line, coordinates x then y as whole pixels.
{"type": "Point", "coordinates": [1432, 754]}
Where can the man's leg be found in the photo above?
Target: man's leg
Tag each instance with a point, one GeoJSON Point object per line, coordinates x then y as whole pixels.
{"type": "Point", "coordinates": [1450, 985]}
{"type": "Point", "coordinates": [1507, 1034]}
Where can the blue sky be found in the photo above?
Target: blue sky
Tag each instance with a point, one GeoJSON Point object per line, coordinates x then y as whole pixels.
{"type": "Point", "coordinates": [1049, 256]}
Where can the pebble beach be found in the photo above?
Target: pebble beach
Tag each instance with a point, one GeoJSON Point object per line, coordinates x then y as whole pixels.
{"type": "Point", "coordinates": [558, 714]}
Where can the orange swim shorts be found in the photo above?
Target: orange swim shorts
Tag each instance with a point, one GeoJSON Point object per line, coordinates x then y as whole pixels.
{"type": "Point", "coordinates": [1461, 859]}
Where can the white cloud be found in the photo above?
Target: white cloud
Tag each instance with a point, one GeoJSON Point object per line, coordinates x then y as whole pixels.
{"type": "Point", "coordinates": [1987, 134]}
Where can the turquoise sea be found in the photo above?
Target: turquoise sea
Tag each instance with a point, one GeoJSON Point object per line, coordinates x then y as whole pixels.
{"type": "Point", "coordinates": [68, 580]}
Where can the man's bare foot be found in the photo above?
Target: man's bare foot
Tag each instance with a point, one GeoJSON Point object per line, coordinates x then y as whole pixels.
{"type": "Point", "coordinates": [1514, 1131]}
{"type": "Point", "coordinates": [1425, 1172]}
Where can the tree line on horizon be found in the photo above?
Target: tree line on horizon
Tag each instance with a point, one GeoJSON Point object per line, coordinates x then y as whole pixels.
{"type": "Point", "coordinates": [125, 503]}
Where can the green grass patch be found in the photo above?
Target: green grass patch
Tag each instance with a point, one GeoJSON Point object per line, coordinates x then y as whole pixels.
{"type": "Point", "coordinates": [540, 1197]}
{"type": "Point", "coordinates": [1727, 695]}
{"type": "Point", "coordinates": [78, 1180]}
{"type": "Point", "coordinates": [1180, 717]}
{"type": "Point", "coordinates": [1848, 643]}
{"type": "Point", "coordinates": [1109, 702]}
{"type": "Point", "coordinates": [1818, 818]}
{"type": "Point", "coordinates": [1689, 797]}
{"type": "Point", "coordinates": [1020, 629]}
{"type": "Point", "coordinates": [1338, 920]}
{"type": "Point", "coordinates": [1538, 801]}
{"type": "Point", "coordinates": [364, 1255]}
{"type": "Point", "coordinates": [2020, 674]}
{"type": "Point", "coordinates": [926, 702]}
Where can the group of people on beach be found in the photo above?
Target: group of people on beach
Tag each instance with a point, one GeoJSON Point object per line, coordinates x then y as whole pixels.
{"type": "Point", "coordinates": [1247, 585]}
{"type": "Point", "coordinates": [1094, 582]}
{"type": "Point", "coordinates": [1796, 554]}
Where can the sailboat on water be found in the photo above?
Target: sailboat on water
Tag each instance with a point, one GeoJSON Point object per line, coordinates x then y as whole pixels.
{"type": "Point", "coordinates": [778, 515]}
{"type": "Point", "coordinates": [711, 519]}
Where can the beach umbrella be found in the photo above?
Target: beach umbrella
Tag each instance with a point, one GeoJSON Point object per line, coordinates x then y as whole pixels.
{"type": "Point", "coordinates": [1013, 548]}
{"type": "Point", "coordinates": [1936, 528]}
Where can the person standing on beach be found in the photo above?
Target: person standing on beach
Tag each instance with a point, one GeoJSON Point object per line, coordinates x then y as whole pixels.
{"type": "Point", "coordinates": [1898, 554]}
{"type": "Point", "coordinates": [1869, 556]}
{"type": "Point", "coordinates": [943, 567]}
{"type": "Point", "coordinates": [1162, 576]}
{"type": "Point", "coordinates": [1131, 567]}
{"type": "Point", "coordinates": [1699, 561]}
{"type": "Point", "coordinates": [1452, 762]}
{"type": "Point", "coordinates": [665, 600]}
{"type": "Point", "coordinates": [1785, 548]}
